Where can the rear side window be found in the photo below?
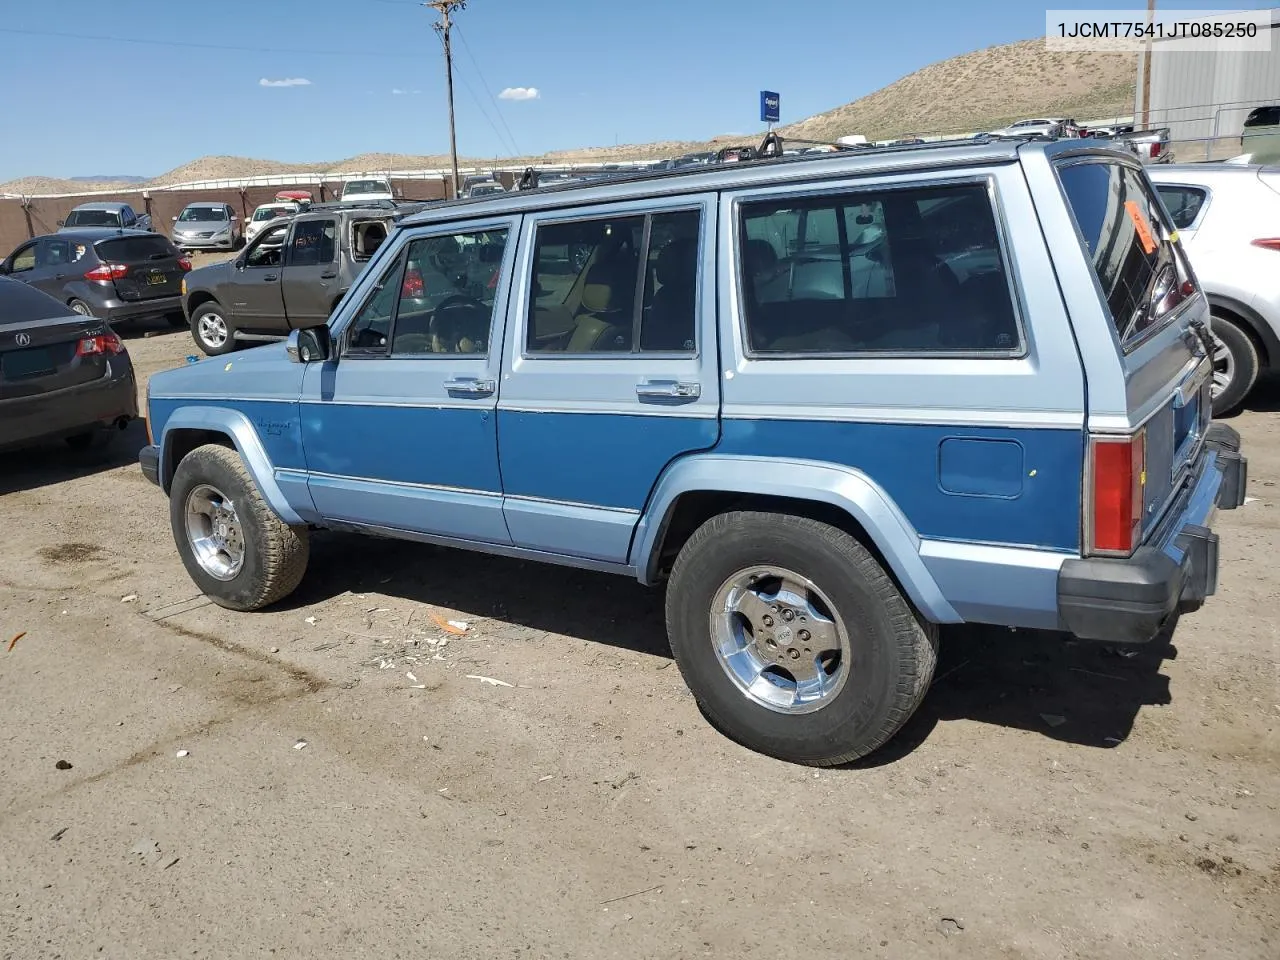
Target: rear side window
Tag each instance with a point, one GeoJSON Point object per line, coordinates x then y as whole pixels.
{"type": "Point", "coordinates": [1183, 204]}
{"type": "Point", "coordinates": [314, 242]}
{"type": "Point", "coordinates": [616, 286]}
{"type": "Point", "coordinates": [1127, 242]}
{"type": "Point", "coordinates": [896, 271]}
{"type": "Point", "coordinates": [135, 249]}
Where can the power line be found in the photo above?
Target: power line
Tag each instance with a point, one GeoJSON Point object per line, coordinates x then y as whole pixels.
{"type": "Point", "coordinates": [503, 142]}
{"type": "Point", "coordinates": [487, 89]}
{"type": "Point", "coordinates": [99, 38]}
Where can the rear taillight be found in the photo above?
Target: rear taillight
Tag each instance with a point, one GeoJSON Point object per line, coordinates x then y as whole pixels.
{"type": "Point", "coordinates": [1155, 149]}
{"type": "Point", "coordinates": [103, 344]}
{"type": "Point", "coordinates": [106, 272]}
{"type": "Point", "coordinates": [413, 287]}
{"type": "Point", "coordinates": [1118, 476]}
{"type": "Point", "coordinates": [185, 264]}
{"type": "Point", "coordinates": [1268, 243]}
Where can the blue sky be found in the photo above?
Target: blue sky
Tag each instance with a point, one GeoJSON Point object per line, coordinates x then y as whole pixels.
{"type": "Point", "coordinates": [603, 71]}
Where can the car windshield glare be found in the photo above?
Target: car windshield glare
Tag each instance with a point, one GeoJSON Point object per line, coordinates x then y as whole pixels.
{"type": "Point", "coordinates": [354, 187]}
{"type": "Point", "coordinates": [263, 214]}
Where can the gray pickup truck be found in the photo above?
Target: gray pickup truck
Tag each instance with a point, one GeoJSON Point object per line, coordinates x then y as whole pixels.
{"type": "Point", "coordinates": [291, 276]}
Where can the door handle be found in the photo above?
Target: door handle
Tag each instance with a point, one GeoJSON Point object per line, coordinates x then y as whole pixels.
{"type": "Point", "coordinates": [328, 276]}
{"type": "Point", "coordinates": [668, 390]}
{"type": "Point", "coordinates": [267, 278]}
{"type": "Point", "coordinates": [470, 386]}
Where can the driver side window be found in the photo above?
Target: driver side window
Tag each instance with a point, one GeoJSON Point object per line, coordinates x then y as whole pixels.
{"type": "Point", "coordinates": [269, 249]}
{"type": "Point", "coordinates": [23, 260]}
{"type": "Point", "coordinates": [447, 294]}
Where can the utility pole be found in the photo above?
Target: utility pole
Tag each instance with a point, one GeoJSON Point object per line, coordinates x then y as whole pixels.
{"type": "Point", "coordinates": [1146, 67]}
{"type": "Point", "coordinates": [445, 8]}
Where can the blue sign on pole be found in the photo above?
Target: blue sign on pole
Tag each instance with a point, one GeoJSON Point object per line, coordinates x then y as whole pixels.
{"type": "Point", "coordinates": [770, 106]}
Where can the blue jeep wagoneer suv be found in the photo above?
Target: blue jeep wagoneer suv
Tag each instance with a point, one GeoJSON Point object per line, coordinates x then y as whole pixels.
{"type": "Point", "coordinates": [831, 402]}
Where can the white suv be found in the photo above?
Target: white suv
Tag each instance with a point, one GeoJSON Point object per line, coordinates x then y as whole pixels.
{"type": "Point", "coordinates": [1229, 219]}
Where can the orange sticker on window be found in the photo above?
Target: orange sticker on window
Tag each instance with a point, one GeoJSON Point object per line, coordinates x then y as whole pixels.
{"type": "Point", "coordinates": [1140, 224]}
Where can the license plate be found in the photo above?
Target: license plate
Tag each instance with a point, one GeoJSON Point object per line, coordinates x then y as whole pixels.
{"type": "Point", "coordinates": [27, 363]}
{"type": "Point", "coordinates": [155, 279]}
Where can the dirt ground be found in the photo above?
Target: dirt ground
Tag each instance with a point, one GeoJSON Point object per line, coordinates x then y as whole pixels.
{"type": "Point", "coordinates": [337, 778]}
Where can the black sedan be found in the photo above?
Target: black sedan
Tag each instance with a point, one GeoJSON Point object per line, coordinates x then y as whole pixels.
{"type": "Point", "coordinates": [62, 374]}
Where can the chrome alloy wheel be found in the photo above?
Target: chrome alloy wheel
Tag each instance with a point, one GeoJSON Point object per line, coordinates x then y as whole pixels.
{"type": "Point", "coordinates": [214, 532]}
{"type": "Point", "coordinates": [778, 638]}
{"type": "Point", "coordinates": [212, 330]}
{"type": "Point", "coordinates": [1224, 367]}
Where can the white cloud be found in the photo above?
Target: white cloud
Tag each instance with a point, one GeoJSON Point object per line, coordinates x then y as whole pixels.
{"type": "Point", "coordinates": [519, 93]}
{"type": "Point", "coordinates": [397, 92]}
{"type": "Point", "coordinates": [286, 82]}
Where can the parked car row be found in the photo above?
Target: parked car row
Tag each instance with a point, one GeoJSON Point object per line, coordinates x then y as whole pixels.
{"type": "Point", "coordinates": [541, 375]}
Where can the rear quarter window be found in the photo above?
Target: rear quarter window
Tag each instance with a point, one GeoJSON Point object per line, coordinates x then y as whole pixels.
{"type": "Point", "coordinates": [1126, 239]}
{"type": "Point", "coordinates": [1183, 203]}
{"type": "Point", "coordinates": [135, 249]}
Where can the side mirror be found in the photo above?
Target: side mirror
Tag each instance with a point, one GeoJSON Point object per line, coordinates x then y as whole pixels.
{"type": "Point", "coordinates": [4, 267]}
{"type": "Point", "coordinates": [62, 223]}
{"type": "Point", "coordinates": [174, 219]}
{"type": "Point", "coordinates": [234, 218]}
{"type": "Point", "coordinates": [311, 345]}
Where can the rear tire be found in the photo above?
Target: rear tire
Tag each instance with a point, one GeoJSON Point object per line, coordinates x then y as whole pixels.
{"type": "Point", "coordinates": [80, 307]}
{"type": "Point", "coordinates": [211, 330]}
{"type": "Point", "coordinates": [868, 680]}
{"type": "Point", "coordinates": [1235, 365]}
{"type": "Point", "coordinates": [239, 553]}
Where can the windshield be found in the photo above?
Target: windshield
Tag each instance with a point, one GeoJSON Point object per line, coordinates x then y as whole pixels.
{"type": "Point", "coordinates": [270, 213]}
{"type": "Point", "coordinates": [202, 214]}
{"type": "Point", "coordinates": [354, 187]}
{"type": "Point", "coordinates": [92, 218]}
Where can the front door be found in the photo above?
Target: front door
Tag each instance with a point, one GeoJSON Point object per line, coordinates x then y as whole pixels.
{"type": "Point", "coordinates": [255, 295]}
{"type": "Point", "coordinates": [399, 429]}
{"type": "Point", "coordinates": [610, 370]}
{"type": "Point", "coordinates": [311, 272]}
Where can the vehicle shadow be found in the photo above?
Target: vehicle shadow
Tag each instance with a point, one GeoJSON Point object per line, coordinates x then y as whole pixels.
{"type": "Point", "coordinates": [1043, 681]}
{"type": "Point", "coordinates": [55, 462]}
{"type": "Point", "coordinates": [1050, 683]}
{"type": "Point", "coordinates": [147, 329]}
{"type": "Point", "coordinates": [1265, 396]}
{"type": "Point", "coordinates": [598, 607]}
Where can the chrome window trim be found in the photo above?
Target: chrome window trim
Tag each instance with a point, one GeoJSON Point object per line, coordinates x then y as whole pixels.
{"type": "Point", "coordinates": [845, 188]}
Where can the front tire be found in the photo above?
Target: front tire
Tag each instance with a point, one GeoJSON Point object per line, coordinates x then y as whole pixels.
{"type": "Point", "coordinates": [239, 553]}
{"type": "Point", "coordinates": [1235, 365]}
{"type": "Point", "coordinates": [793, 638]}
{"type": "Point", "coordinates": [211, 330]}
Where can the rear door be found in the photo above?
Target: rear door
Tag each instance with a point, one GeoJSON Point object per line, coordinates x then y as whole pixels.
{"type": "Point", "coordinates": [151, 261]}
{"type": "Point", "coordinates": [1147, 368]}
{"type": "Point", "coordinates": [610, 368]}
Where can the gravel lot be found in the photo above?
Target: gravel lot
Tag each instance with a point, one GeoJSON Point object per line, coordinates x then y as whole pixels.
{"type": "Point", "coordinates": [1050, 800]}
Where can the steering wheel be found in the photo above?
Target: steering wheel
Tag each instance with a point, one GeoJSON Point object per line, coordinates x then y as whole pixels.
{"type": "Point", "coordinates": [461, 324]}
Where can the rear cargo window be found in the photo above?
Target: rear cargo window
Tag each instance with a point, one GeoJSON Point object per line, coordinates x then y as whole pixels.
{"type": "Point", "coordinates": [135, 249]}
{"type": "Point", "coordinates": [913, 272]}
{"type": "Point", "coordinates": [1128, 243]}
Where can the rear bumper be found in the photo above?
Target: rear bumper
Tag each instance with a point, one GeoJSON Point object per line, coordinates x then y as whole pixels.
{"type": "Point", "coordinates": [1129, 600]}
{"type": "Point", "coordinates": [62, 413]}
{"type": "Point", "coordinates": [117, 311]}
